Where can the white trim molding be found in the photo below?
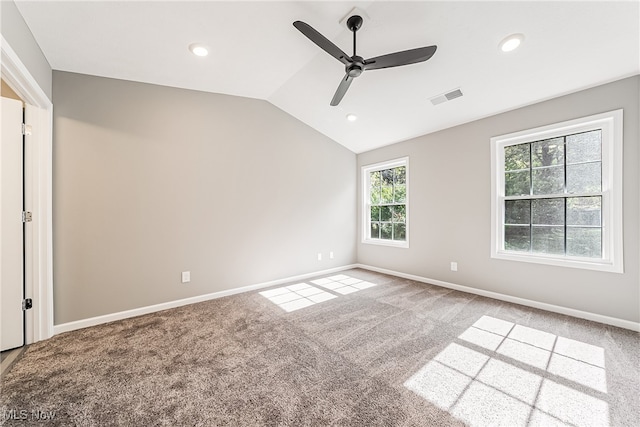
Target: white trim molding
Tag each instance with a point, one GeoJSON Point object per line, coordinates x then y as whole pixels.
{"type": "Point", "coordinates": [38, 190]}
{"type": "Point", "coordinates": [107, 318]}
{"type": "Point", "coordinates": [98, 320]}
{"type": "Point", "coordinates": [607, 320]}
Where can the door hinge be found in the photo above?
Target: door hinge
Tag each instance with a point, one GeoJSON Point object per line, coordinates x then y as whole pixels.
{"type": "Point", "coordinates": [27, 216]}
{"type": "Point", "coordinates": [27, 304]}
{"type": "Point", "coordinates": [26, 129]}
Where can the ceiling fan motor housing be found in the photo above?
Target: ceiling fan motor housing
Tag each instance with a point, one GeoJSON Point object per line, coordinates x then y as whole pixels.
{"type": "Point", "coordinates": [356, 67]}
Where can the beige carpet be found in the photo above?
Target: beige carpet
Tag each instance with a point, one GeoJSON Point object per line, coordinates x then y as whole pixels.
{"type": "Point", "coordinates": [356, 348]}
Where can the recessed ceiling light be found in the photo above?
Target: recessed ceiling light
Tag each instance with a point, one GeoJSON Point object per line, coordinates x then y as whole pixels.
{"type": "Point", "coordinates": [511, 43]}
{"type": "Point", "coordinates": [352, 117]}
{"type": "Point", "coordinates": [199, 49]}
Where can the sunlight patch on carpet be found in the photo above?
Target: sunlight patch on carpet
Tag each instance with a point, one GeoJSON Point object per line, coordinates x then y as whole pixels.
{"type": "Point", "coordinates": [476, 378]}
{"type": "Point", "coordinates": [343, 284]}
{"type": "Point", "coordinates": [295, 297]}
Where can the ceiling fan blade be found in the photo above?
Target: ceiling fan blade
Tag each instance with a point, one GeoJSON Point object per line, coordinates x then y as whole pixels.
{"type": "Point", "coordinates": [323, 42]}
{"type": "Point", "coordinates": [342, 89]}
{"type": "Point", "coordinates": [411, 56]}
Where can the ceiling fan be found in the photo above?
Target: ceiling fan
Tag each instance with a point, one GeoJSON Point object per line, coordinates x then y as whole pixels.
{"type": "Point", "coordinates": [356, 65]}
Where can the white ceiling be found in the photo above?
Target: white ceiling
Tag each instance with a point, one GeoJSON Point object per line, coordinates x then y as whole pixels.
{"type": "Point", "coordinates": [256, 52]}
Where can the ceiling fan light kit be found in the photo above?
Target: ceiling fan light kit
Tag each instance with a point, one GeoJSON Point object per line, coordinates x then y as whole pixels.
{"type": "Point", "coordinates": [355, 65]}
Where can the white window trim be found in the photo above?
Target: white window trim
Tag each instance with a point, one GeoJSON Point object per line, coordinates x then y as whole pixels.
{"type": "Point", "coordinates": [612, 243]}
{"type": "Point", "coordinates": [366, 202]}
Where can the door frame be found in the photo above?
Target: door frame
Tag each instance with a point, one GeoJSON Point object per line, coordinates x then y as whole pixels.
{"type": "Point", "coordinates": [38, 194]}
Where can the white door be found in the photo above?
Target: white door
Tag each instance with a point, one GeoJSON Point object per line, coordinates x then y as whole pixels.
{"type": "Point", "coordinates": [11, 204]}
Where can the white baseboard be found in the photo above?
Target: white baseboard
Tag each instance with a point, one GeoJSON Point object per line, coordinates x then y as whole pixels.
{"type": "Point", "coordinates": [93, 321]}
{"type": "Point", "coordinates": [98, 320]}
{"type": "Point", "coordinates": [621, 323]}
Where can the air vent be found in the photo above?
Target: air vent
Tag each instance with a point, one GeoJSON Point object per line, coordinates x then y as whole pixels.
{"type": "Point", "coordinates": [453, 94]}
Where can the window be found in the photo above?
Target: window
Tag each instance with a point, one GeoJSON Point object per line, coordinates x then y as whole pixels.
{"type": "Point", "coordinates": [557, 194]}
{"type": "Point", "coordinates": [385, 208]}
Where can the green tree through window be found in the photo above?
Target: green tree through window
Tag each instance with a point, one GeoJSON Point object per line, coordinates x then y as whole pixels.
{"type": "Point", "coordinates": [553, 196]}
{"type": "Point", "coordinates": [386, 202]}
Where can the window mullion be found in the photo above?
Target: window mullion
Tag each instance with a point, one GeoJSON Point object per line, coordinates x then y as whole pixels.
{"type": "Point", "coordinates": [553, 196]}
{"type": "Point", "coordinates": [531, 168]}
{"type": "Point", "coordinates": [564, 146]}
{"type": "Point", "coordinates": [530, 194]}
{"type": "Point", "coordinates": [565, 225]}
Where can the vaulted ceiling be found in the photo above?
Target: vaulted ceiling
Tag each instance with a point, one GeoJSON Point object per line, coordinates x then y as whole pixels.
{"type": "Point", "coordinates": [256, 52]}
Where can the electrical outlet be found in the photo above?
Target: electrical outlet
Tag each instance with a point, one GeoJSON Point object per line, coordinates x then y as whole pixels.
{"type": "Point", "coordinates": [454, 266]}
{"type": "Point", "coordinates": [319, 256]}
{"type": "Point", "coordinates": [186, 276]}
{"type": "Point", "coordinates": [331, 255]}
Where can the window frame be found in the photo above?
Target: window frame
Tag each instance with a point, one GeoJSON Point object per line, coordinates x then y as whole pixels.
{"type": "Point", "coordinates": [610, 123]}
{"type": "Point", "coordinates": [366, 202]}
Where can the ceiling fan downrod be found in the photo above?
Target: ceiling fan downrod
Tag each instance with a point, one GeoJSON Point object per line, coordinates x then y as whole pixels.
{"type": "Point", "coordinates": [354, 23]}
{"type": "Point", "coordinates": [356, 67]}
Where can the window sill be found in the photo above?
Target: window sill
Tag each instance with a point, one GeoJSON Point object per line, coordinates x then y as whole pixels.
{"type": "Point", "coordinates": [381, 242]}
{"type": "Point", "coordinates": [581, 263]}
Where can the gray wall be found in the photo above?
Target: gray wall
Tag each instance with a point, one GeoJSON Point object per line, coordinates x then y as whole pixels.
{"type": "Point", "coordinates": [19, 37]}
{"type": "Point", "coordinates": [450, 208]}
{"type": "Point", "coordinates": [150, 181]}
